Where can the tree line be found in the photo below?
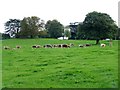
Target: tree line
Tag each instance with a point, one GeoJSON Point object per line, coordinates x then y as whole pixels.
{"type": "Point", "coordinates": [96, 25]}
{"type": "Point", "coordinates": [33, 27]}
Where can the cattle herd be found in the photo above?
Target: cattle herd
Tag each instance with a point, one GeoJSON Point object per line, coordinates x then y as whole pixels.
{"type": "Point", "coordinates": [54, 46]}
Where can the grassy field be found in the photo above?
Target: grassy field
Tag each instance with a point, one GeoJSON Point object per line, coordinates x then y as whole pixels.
{"type": "Point", "coordinates": [75, 67]}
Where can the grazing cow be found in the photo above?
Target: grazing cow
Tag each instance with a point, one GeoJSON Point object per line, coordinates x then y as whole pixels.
{"type": "Point", "coordinates": [38, 46]}
{"type": "Point", "coordinates": [34, 46]}
{"type": "Point", "coordinates": [6, 47]}
{"type": "Point", "coordinates": [55, 45]}
{"type": "Point", "coordinates": [81, 45]}
{"type": "Point", "coordinates": [18, 46]}
{"type": "Point", "coordinates": [47, 46]}
{"type": "Point", "coordinates": [60, 45]}
{"type": "Point", "coordinates": [103, 45]}
{"type": "Point", "coordinates": [65, 46]}
{"type": "Point", "coordinates": [87, 44]}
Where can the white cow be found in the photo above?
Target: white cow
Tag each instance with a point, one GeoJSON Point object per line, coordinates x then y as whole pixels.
{"type": "Point", "coordinates": [102, 45]}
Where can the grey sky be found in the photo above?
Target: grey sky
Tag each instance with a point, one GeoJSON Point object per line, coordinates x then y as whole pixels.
{"type": "Point", "coordinates": [65, 11]}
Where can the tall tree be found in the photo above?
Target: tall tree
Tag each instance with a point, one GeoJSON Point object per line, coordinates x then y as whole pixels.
{"type": "Point", "coordinates": [54, 28]}
{"type": "Point", "coordinates": [99, 26]}
{"type": "Point", "coordinates": [30, 26]}
{"type": "Point", "coordinates": [12, 27]}
{"type": "Point", "coordinates": [80, 31]}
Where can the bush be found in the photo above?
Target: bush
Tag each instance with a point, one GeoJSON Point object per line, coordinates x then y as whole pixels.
{"type": "Point", "coordinates": [5, 36]}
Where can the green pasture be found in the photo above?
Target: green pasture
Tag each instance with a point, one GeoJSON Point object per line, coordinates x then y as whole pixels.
{"type": "Point", "coordinates": [75, 67]}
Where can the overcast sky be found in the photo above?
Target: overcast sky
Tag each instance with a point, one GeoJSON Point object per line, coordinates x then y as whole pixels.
{"type": "Point", "coordinates": [65, 11]}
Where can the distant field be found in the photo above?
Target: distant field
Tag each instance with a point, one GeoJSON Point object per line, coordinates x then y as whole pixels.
{"type": "Point", "coordinates": [75, 67]}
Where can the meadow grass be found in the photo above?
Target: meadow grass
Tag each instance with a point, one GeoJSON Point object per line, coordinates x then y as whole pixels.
{"type": "Point", "coordinates": [75, 67]}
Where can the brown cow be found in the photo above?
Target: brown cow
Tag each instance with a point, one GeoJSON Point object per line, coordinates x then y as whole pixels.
{"type": "Point", "coordinates": [87, 44]}
{"type": "Point", "coordinates": [65, 46]}
{"type": "Point", "coordinates": [18, 46]}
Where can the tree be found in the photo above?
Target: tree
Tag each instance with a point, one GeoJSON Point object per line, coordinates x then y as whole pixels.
{"type": "Point", "coordinates": [99, 26]}
{"type": "Point", "coordinates": [12, 27]}
{"type": "Point", "coordinates": [54, 28]}
{"type": "Point", "coordinates": [5, 36]}
{"type": "Point", "coordinates": [30, 27]}
{"type": "Point", "coordinates": [80, 31]}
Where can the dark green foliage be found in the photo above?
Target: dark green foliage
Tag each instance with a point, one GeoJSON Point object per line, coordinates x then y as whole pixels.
{"type": "Point", "coordinates": [80, 32]}
{"type": "Point", "coordinates": [5, 36]}
{"type": "Point", "coordinates": [118, 34]}
{"type": "Point", "coordinates": [99, 26]}
{"type": "Point", "coordinates": [55, 28]}
{"type": "Point", "coordinates": [30, 27]}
